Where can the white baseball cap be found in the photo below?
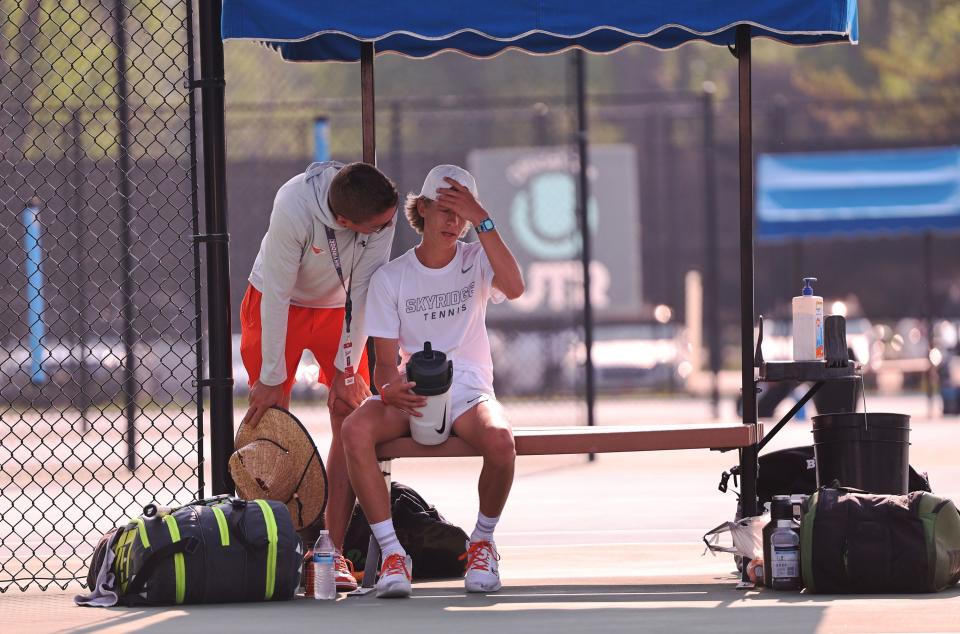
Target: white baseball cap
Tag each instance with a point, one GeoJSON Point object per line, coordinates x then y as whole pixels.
{"type": "Point", "coordinates": [434, 180]}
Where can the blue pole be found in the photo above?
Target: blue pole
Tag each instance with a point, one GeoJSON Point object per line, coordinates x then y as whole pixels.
{"type": "Point", "coordinates": [31, 244]}
{"type": "Point", "coordinates": [321, 139]}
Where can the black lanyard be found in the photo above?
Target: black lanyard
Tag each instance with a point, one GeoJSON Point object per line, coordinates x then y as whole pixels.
{"type": "Point", "coordinates": [335, 255]}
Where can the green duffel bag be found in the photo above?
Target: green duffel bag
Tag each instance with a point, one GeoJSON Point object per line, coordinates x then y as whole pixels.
{"type": "Point", "coordinates": [231, 551]}
{"type": "Point", "coordinates": [851, 541]}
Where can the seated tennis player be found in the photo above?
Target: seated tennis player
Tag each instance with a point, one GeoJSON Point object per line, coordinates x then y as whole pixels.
{"type": "Point", "coordinates": [407, 306]}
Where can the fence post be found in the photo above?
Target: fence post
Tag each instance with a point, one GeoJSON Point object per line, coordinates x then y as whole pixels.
{"type": "Point", "coordinates": [123, 163]}
{"type": "Point", "coordinates": [711, 267]}
{"type": "Point", "coordinates": [583, 198]}
{"type": "Point", "coordinates": [35, 304]}
{"type": "Point", "coordinates": [216, 239]}
{"type": "Point", "coordinates": [79, 325]}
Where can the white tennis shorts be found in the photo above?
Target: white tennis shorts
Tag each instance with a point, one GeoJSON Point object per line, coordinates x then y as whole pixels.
{"type": "Point", "coordinates": [470, 388]}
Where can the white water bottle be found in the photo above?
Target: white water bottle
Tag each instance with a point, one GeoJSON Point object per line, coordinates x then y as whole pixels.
{"type": "Point", "coordinates": [324, 575]}
{"type": "Point", "coordinates": [808, 324]}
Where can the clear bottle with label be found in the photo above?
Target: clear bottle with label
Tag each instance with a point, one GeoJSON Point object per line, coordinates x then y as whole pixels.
{"type": "Point", "coordinates": [808, 324]}
{"type": "Point", "coordinates": [785, 548]}
{"type": "Point", "coordinates": [781, 547]}
{"type": "Point", "coordinates": [324, 575]}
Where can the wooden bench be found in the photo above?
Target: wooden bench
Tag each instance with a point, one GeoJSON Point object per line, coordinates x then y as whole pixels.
{"type": "Point", "coordinates": [542, 441]}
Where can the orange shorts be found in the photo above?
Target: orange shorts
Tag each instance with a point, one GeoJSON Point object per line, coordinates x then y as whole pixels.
{"type": "Point", "coordinates": [314, 329]}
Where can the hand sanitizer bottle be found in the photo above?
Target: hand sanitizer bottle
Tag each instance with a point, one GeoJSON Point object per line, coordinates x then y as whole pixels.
{"type": "Point", "coordinates": [808, 324]}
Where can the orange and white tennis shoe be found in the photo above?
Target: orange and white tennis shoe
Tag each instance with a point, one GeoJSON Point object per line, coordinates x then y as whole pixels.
{"type": "Point", "coordinates": [483, 569]}
{"type": "Point", "coordinates": [395, 576]}
{"type": "Point", "coordinates": [343, 574]}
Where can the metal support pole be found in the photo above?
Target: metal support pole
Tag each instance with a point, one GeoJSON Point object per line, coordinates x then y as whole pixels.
{"type": "Point", "coordinates": [583, 197]}
{"type": "Point", "coordinates": [372, 564]}
{"type": "Point", "coordinates": [80, 325]}
{"type": "Point", "coordinates": [928, 315]}
{"type": "Point", "coordinates": [368, 122]}
{"type": "Point", "coordinates": [197, 281]}
{"type": "Point", "coordinates": [126, 258]}
{"type": "Point", "coordinates": [711, 264]}
{"type": "Point", "coordinates": [396, 142]}
{"type": "Point", "coordinates": [748, 455]}
{"type": "Point", "coordinates": [790, 414]}
{"type": "Point", "coordinates": [216, 240]}
{"type": "Point", "coordinates": [368, 104]}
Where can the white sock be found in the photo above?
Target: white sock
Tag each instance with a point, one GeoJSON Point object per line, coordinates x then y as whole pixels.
{"type": "Point", "coordinates": [484, 528]}
{"type": "Point", "coordinates": [387, 538]}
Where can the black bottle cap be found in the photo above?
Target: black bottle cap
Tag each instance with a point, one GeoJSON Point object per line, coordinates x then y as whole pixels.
{"type": "Point", "coordinates": [781, 508]}
{"type": "Point", "coordinates": [430, 370]}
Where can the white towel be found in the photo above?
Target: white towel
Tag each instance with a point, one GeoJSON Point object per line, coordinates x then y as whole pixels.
{"type": "Point", "coordinates": [103, 594]}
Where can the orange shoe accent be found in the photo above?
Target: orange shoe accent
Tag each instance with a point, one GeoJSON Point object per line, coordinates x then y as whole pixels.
{"type": "Point", "coordinates": [478, 555]}
{"type": "Point", "coordinates": [394, 564]}
{"type": "Point", "coordinates": [345, 579]}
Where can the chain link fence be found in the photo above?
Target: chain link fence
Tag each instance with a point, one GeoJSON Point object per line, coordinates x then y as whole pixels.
{"type": "Point", "coordinates": [99, 287]}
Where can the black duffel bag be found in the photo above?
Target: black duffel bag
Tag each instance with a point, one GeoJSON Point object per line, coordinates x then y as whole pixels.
{"type": "Point", "coordinates": [436, 546]}
{"type": "Point", "coordinates": [859, 542]}
{"type": "Point", "coordinates": [231, 551]}
{"type": "Point", "coordinates": [793, 471]}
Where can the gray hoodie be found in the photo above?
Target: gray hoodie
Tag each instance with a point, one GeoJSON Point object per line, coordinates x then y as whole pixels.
{"type": "Point", "coordinates": [294, 266]}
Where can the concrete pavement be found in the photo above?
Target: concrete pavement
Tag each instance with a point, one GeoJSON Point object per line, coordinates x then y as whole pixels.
{"type": "Point", "coordinates": [609, 546]}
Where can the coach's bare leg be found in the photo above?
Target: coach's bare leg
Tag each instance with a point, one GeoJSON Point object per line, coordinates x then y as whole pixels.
{"type": "Point", "coordinates": [371, 424]}
{"type": "Point", "coordinates": [485, 428]}
{"type": "Point", "coordinates": [340, 495]}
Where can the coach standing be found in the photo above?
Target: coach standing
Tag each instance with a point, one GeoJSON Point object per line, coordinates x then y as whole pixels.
{"type": "Point", "coordinates": [331, 227]}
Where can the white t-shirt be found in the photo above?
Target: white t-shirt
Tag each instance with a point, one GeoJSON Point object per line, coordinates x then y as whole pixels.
{"type": "Point", "coordinates": [447, 307]}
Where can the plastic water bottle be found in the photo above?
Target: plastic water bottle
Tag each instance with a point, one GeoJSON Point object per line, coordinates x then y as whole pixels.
{"type": "Point", "coordinates": [324, 577]}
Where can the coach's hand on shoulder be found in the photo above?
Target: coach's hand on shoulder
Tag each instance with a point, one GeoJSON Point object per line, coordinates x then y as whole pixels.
{"type": "Point", "coordinates": [400, 395]}
{"type": "Point", "coordinates": [353, 395]}
{"type": "Point", "coordinates": [262, 398]}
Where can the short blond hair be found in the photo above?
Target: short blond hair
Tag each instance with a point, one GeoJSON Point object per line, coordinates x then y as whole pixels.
{"type": "Point", "coordinates": [413, 214]}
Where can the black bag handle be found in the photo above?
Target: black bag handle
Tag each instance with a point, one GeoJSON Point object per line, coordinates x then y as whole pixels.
{"type": "Point", "coordinates": [188, 545]}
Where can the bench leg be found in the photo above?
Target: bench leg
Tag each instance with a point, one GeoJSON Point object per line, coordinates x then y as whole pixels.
{"type": "Point", "coordinates": [748, 499]}
{"type": "Point", "coordinates": [372, 565]}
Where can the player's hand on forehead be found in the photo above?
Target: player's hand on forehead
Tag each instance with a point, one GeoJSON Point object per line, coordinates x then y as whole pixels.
{"type": "Point", "coordinates": [449, 197]}
{"type": "Point", "coordinates": [455, 184]}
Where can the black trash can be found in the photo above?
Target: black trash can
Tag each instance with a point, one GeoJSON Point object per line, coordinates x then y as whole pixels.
{"type": "Point", "coordinates": [838, 397]}
{"type": "Point", "coordinates": [863, 451]}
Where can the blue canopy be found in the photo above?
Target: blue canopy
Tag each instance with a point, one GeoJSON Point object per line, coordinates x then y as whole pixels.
{"type": "Point", "coordinates": [849, 193]}
{"type": "Point", "coordinates": [311, 31]}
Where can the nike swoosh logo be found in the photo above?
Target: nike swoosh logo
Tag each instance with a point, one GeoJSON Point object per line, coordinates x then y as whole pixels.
{"type": "Point", "coordinates": [475, 398]}
{"type": "Point", "coordinates": [316, 250]}
{"type": "Point", "coordinates": [444, 425]}
{"type": "Point", "coordinates": [466, 270]}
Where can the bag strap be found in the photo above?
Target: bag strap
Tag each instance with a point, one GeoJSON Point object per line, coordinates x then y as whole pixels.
{"type": "Point", "coordinates": [836, 485]}
{"type": "Point", "coordinates": [137, 583]}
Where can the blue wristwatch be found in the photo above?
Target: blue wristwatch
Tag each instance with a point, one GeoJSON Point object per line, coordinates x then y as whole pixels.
{"type": "Point", "coordinates": [486, 225]}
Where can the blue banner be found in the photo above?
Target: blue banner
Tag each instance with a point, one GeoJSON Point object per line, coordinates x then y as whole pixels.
{"type": "Point", "coordinates": [853, 193]}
